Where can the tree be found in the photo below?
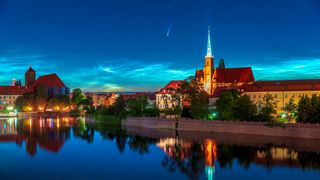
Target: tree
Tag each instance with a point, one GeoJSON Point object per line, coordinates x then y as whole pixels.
{"type": "Point", "coordinates": [303, 109]}
{"type": "Point", "coordinates": [137, 105]}
{"type": "Point", "coordinates": [309, 109]}
{"type": "Point", "coordinates": [290, 109]}
{"type": "Point", "coordinates": [245, 109]}
{"type": "Point", "coordinates": [268, 108]}
{"type": "Point", "coordinates": [314, 111]}
{"type": "Point", "coordinates": [77, 97]}
{"type": "Point", "coordinates": [226, 104]}
{"type": "Point", "coordinates": [25, 102]}
{"type": "Point", "coordinates": [119, 106]}
{"type": "Point", "coordinates": [193, 92]}
{"type": "Point", "coordinates": [87, 104]}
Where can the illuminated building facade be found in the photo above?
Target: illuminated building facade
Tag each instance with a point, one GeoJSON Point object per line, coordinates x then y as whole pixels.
{"type": "Point", "coordinates": [164, 97]}
{"type": "Point", "coordinates": [282, 91]}
{"type": "Point", "coordinates": [8, 94]}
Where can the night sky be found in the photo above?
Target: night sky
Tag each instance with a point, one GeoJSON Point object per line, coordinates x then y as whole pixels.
{"type": "Point", "coordinates": [126, 45]}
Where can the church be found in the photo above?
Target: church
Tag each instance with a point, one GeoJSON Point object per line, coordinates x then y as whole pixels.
{"type": "Point", "coordinates": [51, 85]}
{"type": "Point", "coordinates": [216, 78]}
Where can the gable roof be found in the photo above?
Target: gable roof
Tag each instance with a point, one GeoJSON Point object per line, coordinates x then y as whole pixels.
{"type": "Point", "coordinates": [171, 85]}
{"type": "Point", "coordinates": [284, 85]}
{"type": "Point", "coordinates": [234, 75]}
{"type": "Point", "coordinates": [50, 80]}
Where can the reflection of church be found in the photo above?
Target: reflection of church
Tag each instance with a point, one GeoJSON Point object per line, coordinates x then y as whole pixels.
{"type": "Point", "coordinates": [46, 133]}
{"type": "Point", "coordinates": [182, 150]}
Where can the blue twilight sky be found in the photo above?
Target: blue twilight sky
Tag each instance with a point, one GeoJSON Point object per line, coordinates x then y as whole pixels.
{"type": "Point", "coordinates": [126, 45]}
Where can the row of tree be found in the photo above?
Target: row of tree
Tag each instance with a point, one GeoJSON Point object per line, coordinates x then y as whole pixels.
{"type": "Point", "coordinates": [135, 107]}
{"type": "Point", "coordinates": [232, 106]}
{"type": "Point", "coordinates": [39, 101]}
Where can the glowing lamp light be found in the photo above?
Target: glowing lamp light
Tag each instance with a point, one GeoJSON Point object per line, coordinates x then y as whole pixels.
{"type": "Point", "coordinates": [29, 108]}
{"type": "Point", "coordinates": [213, 115]}
{"type": "Point", "coordinates": [9, 108]}
{"type": "Point", "coordinates": [283, 115]}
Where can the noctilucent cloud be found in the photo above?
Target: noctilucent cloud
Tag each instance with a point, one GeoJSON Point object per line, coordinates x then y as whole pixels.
{"type": "Point", "coordinates": [125, 45]}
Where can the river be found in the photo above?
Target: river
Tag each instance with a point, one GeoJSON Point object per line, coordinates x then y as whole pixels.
{"type": "Point", "coordinates": [69, 148]}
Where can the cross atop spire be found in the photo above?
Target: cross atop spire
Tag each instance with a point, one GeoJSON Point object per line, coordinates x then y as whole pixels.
{"type": "Point", "coordinates": [209, 51]}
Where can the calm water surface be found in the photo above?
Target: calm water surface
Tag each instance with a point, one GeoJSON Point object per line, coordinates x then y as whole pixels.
{"type": "Point", "coordinates": [66, 148]}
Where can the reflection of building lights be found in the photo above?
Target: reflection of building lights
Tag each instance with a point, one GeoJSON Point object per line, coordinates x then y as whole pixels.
{"type": "Point", "coordinates": [50, 122]}
{"type": "Point", "coordinates": [58, 122]}
{"type": "Point", "coordinates": [30, 123]}
{"type": "Point", "coordinates": [210, 171]}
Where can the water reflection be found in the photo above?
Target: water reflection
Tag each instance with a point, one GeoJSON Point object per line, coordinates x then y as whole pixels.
{"type": "Point", "coordinates": [47, 133]}
{"type": "Point", "coordinates": [194, 159]}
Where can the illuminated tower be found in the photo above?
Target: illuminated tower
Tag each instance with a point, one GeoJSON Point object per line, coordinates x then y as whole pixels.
{"type": "Point", "coordinates": [30, 77]}
{"type": "Point", "coordinates": [208, 67]}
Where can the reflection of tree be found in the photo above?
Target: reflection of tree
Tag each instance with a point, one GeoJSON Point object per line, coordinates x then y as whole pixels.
{"type": "Point", "coordinates": [193, 165]}
{"type": "Point", "coordinates": [140, 144]}
{"type": "Point", "coordinates": [245, 155]}
{"type": "Point", "coordinates": [309, 160]}
{"type": "Point", "coordinates": [84, 132]}
{"type": "Point", "coordinates": [121, 140]}
{"type": "Point", "coordinates": [225, 156]}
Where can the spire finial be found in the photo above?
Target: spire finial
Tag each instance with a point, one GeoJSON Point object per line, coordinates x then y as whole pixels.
{"type": "Point", "coordinates": [209, 51]}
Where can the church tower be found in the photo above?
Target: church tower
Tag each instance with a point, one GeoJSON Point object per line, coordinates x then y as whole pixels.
{"type": "Point", "coordinates": [30, 77]}
{"type": "Point", "coordinates": [208, 67]}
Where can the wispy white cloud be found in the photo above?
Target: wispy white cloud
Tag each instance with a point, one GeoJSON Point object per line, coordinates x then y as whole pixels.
{"type": "Point", "coordinates": [289, 69]}
{"type": "Point", "coordinates": [135, 75]}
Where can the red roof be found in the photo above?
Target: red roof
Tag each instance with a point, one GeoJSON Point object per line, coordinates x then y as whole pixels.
{"type": "Point", "coordinates": [284, 85]}
{"type": "Point", "coordinates": [50, 80]}
{"type": "Point", "coordinates": [12, 90]}
{"type": "Point", "coordinates": [231, 75]}
{"type": "Point", "coordinates": [234, 75]}
{"type": "Point", "coordinates": [171, 85]}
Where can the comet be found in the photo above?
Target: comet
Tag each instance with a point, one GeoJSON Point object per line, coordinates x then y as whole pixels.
{"type": "Point", "coordinates": [169, 29]}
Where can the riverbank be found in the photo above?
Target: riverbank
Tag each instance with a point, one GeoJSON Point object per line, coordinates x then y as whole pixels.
{"type": "Point", "coordinates": [306, 131]}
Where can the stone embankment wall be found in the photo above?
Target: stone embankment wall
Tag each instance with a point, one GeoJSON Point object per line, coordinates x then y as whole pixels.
{"type": "Point", "coordinates": [311, 131]}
